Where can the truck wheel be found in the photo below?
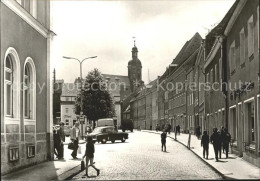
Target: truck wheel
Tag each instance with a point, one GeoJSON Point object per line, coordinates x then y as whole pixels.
{"type": "Point", "coordinates": [131, 130]}
{"type": "Point", "coordinates": [123, 139]}
{"type": "Point", "coordinates": [123, 130]}
{"type": "Point", "coordinates": [104, 140]}
{"type": "Point", "coordinates": [113, 141]}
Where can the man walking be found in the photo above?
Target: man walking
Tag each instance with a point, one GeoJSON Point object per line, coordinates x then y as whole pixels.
{"type": "Point", "coordinates": [62, 138]}
{"type": "Point", "coordinates": [226, 141]}
{"type": "Point", "coordinates": [198, 132]}
{"type": "Point", "coordinates": [216, 141]}
{"type": "Point", "coordinates": [205, 144]}
{"type": "Point", "coordinates": [169, 128]}
{"type": "Point", "coordinates": [163, 140]}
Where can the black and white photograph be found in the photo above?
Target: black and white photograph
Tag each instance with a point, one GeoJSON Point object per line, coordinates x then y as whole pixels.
{"type": "Point", "coordinates": [130, 89]}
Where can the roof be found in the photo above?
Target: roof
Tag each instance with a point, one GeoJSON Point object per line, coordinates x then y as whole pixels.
{"type": "Point", "coordinates": [70, 89]}
{"type": "Point", "coordinates": [219, 29]}
{"type": "Point", "coordinates": [186, 52]}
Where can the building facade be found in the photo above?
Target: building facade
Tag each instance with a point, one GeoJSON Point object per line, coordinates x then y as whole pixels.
{"type": "Point", "coordinates": [242, 47]}
{"type": "Point", "coordinates": [67, 103]}
{"type": "Point", "coordinates": [26, 97]}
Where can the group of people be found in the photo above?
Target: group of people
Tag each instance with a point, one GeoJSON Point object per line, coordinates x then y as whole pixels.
{"type": "Point", "coordinates": [59, 139]}
{"type": "Point", "coordinates": [219, 139]}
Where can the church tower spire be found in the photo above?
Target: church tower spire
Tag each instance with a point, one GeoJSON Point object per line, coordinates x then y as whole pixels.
{"type": "Point", "coordinates": [135, 69]}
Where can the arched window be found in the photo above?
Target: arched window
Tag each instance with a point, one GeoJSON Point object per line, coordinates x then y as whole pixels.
{"type": "Point", "coordinates": [11, 85]}
{"type": "Point", "coordinates": [27, 82]}
{"type": "Point", "coordinates": [29, 89]}
{"type": "Point", "coordinates": [9, 69]}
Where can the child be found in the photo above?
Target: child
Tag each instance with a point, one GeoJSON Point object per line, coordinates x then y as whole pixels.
{"type": "Point", "coordinates": [163, 140]}
{"type": "Point", "coordinates": [89, 154]}
{"type": "Point", "coordinates": [205, 144]}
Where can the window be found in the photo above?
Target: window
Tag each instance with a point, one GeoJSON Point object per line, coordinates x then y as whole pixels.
{"type": "Point", "coordinates": [232, 57]}
{"type": "Point", "coordinates": [250, 38]}
{"type": "Point", "coordinates": [13, 153]}
{"type": "Point", "coordinates": [9, 86]}
{"type": "Point", "coordinates": [242, 46]}
{"type": "Point", "coordinates": [27, 94]}
{"type": "Point", "coordinates": [67, 98]}
{"type": "Point", "coordinates": [67, 122]}
{"type": "Point", "coordinates": [251, 120]}
{"type": "Point", "coordinates": [29, 89]}
{"type": "Point", "coordinates": [234, 123]}
{"type": "Point", "coordinates": [67, 110]}
{"type": "Point", "coordinates": [207, 78]}
{"type": "Point", "coordinates": [31, 151]}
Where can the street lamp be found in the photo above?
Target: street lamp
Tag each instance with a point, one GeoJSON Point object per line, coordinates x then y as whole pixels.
{"type": "Point", "coordinates": [81, 104]}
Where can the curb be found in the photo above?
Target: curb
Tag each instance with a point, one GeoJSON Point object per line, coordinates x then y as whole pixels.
{"type": "Point", "coordinates": [212, 167]}
{"type": "Point", "coordinates": [70, 173]}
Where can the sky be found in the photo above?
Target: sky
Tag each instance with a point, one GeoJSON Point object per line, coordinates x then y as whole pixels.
{"type": "Point", "coordinates": [105, 29]}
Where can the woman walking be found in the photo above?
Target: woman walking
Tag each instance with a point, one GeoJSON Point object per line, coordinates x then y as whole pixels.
{"type": "Point", "coordinates": [89, 154]}
{"type": "Point", "coordinates": [75, 132]}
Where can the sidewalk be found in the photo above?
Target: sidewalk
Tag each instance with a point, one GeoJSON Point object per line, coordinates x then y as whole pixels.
{"type": "Point", "coordinates": [231, 168]}
{"type": "Point", "coordinates": [51, 170]}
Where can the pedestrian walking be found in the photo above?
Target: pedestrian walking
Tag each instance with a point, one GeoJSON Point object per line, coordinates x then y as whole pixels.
{"type": "Point", "coordinates": [178, 128]}
{"type": "Point", "coordinates": [219, 149]}
{"type": "Point", "coordinates": [198, 133]}
{"type": "Point", "coordinates": [74, 136]}
{"type": "Point", "coordinates": [169, 128]}
{"type": "Point", "coordinates": [216, 141]}
{"type": "Point", "coordinates": [62, 140]}
{"type": "Point", "coordinates": [56, 141]}
{"type": "Point", "coordinates": [157, 128]}
{"type": "Point", "coordinates": [163, 139]}
{"type": "Point", "coordinates": [226, 141]}
{"type": "Point", "coordinates": [222, 138]}
{"type": "Point", "coordinates": [205, 144]}
{"type": "Point", "coordinates": [89, 154]}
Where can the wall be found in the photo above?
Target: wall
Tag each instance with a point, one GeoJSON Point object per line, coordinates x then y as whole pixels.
{"type": "Point", "coordinates": [28, 43]}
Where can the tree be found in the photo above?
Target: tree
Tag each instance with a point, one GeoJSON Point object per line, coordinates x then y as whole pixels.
{"type": "Point", "coordinates": [97, 101]}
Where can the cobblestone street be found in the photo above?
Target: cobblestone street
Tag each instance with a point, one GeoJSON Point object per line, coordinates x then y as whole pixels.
{"type": "Point", "coordinates": [140, 157]}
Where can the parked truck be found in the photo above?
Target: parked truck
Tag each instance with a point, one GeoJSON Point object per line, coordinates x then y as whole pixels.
{"type": "Point", "coordinates": [127, 124]}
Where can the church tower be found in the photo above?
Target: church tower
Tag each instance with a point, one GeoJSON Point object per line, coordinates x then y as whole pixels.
{"type": "Point", "coordinates": [135, 70]}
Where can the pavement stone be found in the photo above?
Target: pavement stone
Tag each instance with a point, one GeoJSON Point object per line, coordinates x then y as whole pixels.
{"type": "Point", "coordinates": [232, 168]}
{"type": "Point", "coordinates": [141, 158]}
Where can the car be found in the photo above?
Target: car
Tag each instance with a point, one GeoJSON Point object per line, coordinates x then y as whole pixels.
{"type": "Point", "coordinates": [107, 133]}
{"type": "Point", "coordinates": [67, 130]}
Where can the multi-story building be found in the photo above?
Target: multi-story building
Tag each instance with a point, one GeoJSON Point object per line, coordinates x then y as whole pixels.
{"type": "Point", "coordinates": [67, 103]}
{"type": "Point", "coordinates": [199, 79]}
{"type": "Point", "coordinates": [148, 107]}
{"type": "Point", "coordinates": [216, 76]}
{"type": "Point", "coordinates": [154, 103]}
{"type": "Point", "coordinates": [119, 88]}
{"type": "Point", "coordinates": [178, 95]}
{"type": "Point", "coordinates": [26, 98]}
{"type": "Point", "coordinates": [57, 90]}
{"type": "Point", "coordinates": [243, 67]}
